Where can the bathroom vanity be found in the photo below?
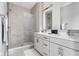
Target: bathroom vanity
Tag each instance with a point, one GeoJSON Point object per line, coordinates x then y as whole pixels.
{"type": "Point", "coordinates": [55, 45]}
{"type": "Point", "coordinates": [60, 16]}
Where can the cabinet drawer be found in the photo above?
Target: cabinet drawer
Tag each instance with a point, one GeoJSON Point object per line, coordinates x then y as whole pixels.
{"type": "Point", "coordinates": [41, 36]}
{"type": "Point", "coordinates": [66, 43]}
{"type": "Point", "coordinates": [45, 37]}
{"type": "Point", "coordinates": [45, 48]}
{"type": "Point", "coordinates": [45, 45]}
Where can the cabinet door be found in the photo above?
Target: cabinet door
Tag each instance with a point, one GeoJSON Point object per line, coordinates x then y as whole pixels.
{"type": "Point", "coordinates": [36, 43]}
{"type": "Point", "coordinates": [40, 44]}
{"type": "Point", "coordinates": [53, 49]}
{"type": "Point", "coordinates": [70, 52]}
{"type": "Point", "coordinates": [57, 50]}
{"type": "Point", "coordinates": [64, 51]}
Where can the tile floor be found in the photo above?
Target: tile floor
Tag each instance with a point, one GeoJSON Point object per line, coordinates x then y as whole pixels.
{"type": "Point", "coordinates": [31, 52]}
{"type": "Point", "coordinates": [23, 51]}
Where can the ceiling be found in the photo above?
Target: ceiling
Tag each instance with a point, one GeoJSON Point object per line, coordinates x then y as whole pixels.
{"type": "Point", "coordinates": [28, 5]}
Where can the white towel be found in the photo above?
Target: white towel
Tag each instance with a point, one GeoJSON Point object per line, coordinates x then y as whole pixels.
{"type": "Point", "coordinates": [5, 21]}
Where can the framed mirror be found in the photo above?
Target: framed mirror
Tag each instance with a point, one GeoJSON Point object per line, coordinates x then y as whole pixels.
{"type": "Point", "coordinates": [47, 19]}
{"type": "Point", "coordinates": [70, 16]}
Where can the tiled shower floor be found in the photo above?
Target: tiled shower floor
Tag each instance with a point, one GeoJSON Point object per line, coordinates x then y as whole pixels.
{"type": "Point", "coordinates": [23, 51]}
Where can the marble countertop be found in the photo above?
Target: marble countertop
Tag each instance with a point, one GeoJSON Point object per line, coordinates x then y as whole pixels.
{"type": "Point", "coordinates": [61, 36]}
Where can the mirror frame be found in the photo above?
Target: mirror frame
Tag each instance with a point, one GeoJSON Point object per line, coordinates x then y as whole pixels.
{"type": "Point", "coordinates": [44, 18]}
{"type": "Point", "coordinates": [61, 6]}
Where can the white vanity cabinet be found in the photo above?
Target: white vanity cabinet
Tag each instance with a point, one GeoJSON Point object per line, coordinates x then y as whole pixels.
{"type": "Point", "coordinates": [41, 44]}
{"type": "Point", "coordinates": [38, 44]}
{"type": "Point", "coordinates": [52, 45]}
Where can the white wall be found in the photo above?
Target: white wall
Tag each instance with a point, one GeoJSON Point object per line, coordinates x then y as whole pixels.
{"type": "Point", "coordinates": [22, 26]}
{"type": "Point", "coordinates": [36, 11]}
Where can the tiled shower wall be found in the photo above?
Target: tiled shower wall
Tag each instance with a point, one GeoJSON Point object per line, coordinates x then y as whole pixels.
{"type": "Point", "coordinates": [22, 26]}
